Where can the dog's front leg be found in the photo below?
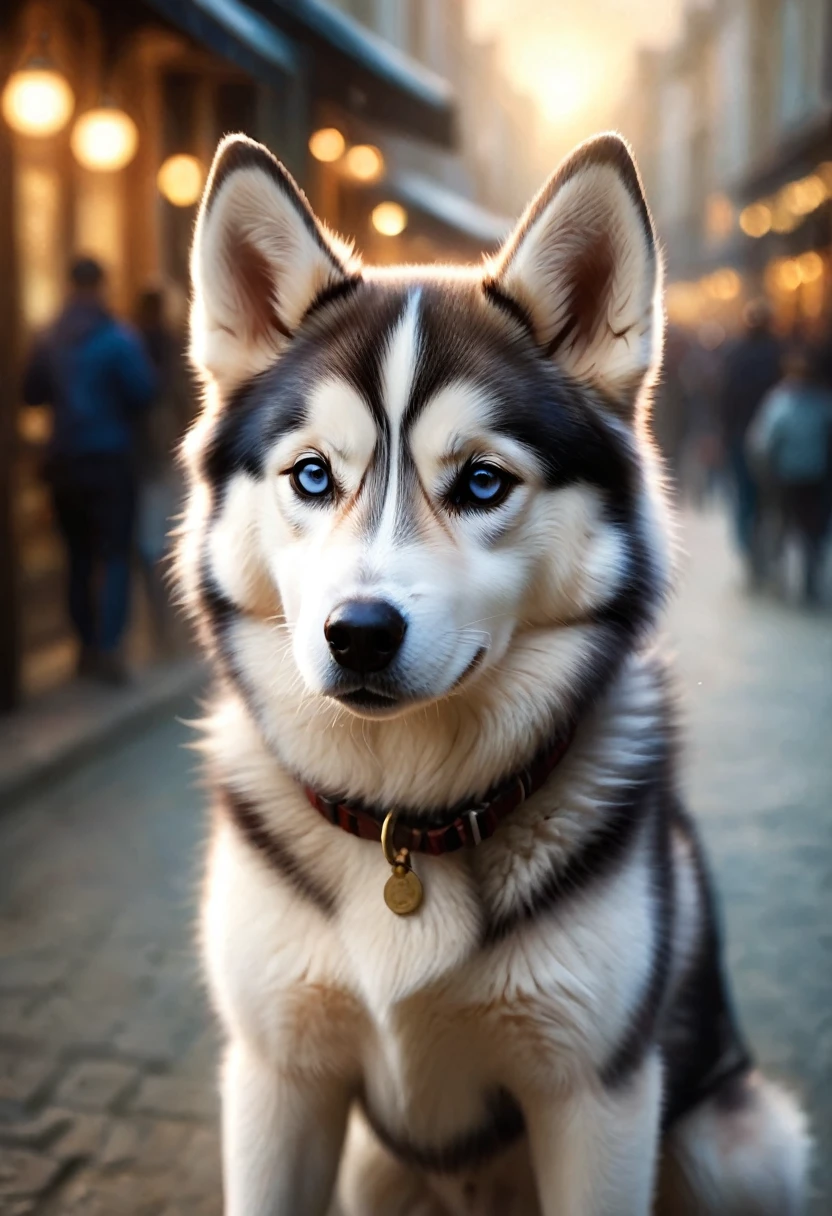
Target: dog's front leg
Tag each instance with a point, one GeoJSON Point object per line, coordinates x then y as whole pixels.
{"type": "Point", "coordinates": [282, 1137]}
{"type": "Point", "coordinates": [595, 1152]}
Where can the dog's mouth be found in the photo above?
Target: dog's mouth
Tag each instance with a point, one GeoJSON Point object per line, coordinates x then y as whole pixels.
{"type": "Point", "coordinates": [366, 699]}
{"type": "Point", "coordinates": [371, 702]}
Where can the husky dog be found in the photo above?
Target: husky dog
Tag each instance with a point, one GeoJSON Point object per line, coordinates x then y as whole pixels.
{"type": "Point", "coordinates": [426, 549]}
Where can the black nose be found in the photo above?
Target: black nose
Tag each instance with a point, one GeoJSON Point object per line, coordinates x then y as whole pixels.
{"type": "Point", "coordinates": [364, 635]}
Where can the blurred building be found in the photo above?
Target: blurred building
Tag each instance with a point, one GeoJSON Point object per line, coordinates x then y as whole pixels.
{"type": "Point", "coordinates": [404, 135]}
{"type": "Point", "coordinates": [733, 130]}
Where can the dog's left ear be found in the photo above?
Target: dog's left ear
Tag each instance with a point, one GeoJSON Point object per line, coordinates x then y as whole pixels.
{"type": "Point", "coordinates": [583, 266]}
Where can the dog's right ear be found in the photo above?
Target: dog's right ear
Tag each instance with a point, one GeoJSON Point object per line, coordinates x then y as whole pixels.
{"type": "Point", "coordinates": [260, 260]}
{"type": "Point", "coordinates": [583, 268]}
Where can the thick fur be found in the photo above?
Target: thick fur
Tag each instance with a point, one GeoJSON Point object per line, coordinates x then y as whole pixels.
{"type": "Point", "coordinates": [551, 1033]}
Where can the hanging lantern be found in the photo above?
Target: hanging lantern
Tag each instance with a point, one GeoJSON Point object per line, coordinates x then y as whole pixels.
{"type": "Point", "coordinates": [389, 219]}
{"type": "Point", "coordinates": [37, 100]}
{"type": "Point", "coordinates": [364, 162]}
{"type": "Point", "coordinates": [104, 139]}
{"type": "Point", "coordinates": [327, 145]}
{"type": "Point", "coordinates": [180, 180]}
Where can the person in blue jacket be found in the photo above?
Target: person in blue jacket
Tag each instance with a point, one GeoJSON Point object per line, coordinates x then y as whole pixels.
{"type": "Point", "coordinates": [95, 374]}
{"type": "Point", "coordinates": [790, 442]}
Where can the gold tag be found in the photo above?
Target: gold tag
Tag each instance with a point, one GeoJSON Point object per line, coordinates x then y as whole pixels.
{"type": "Point", "coordinates": [403, 891]}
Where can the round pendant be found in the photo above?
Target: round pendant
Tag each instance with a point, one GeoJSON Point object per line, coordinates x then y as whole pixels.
{"type": "Point", "coordinates": [403, 893]}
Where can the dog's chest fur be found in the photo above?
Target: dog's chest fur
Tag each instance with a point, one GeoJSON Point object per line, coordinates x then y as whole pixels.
{"type": "Point", "coordinates": [524, 969]}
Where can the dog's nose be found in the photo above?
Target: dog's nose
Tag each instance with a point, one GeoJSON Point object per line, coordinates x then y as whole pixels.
{"type": "Point", "coordinates": [364, 635]}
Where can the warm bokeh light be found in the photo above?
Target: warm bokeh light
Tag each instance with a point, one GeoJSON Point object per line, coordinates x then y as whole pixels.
{"type": "Point", "coordinates": [756, 220]}
{"type": "Point", "coordinates": [684, 302]}
{"type": "Point", "coordinates": [719, 216]}
{"type": "Point", "coordinates": [37, 101]}
{"type": "Point", "coordinates": [782, 219]}
{"type": "Point", "coordinates": [389, 219]}
{"type": "Point", "coordinates": [104, 140]}
{"type": "Point", "coordinates": [805, 196]}
{"type": "Point", "coordinates": [724, 284]}
{"type": "Point", "coordinates": [180, 180]}
{"type": "Point", "coordinates": [810, 267]}
{"type": "Point", "coordinates": [364, 162]}
{"type": "Point", "coordinates": [327, 145]}
{"type": "Point", "coordinates": [783, 274]}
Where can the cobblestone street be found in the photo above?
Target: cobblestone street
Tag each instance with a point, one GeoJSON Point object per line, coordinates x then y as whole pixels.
{"type": "Point", "coordinates": [107, 1101]}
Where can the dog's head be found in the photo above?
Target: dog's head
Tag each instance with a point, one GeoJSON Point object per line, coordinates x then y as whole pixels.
{"type": "Point", "coordinates": [407, 480]}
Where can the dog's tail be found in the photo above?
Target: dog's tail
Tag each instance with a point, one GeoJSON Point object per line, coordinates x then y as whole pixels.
{"type": "Point", "coordinates": [743, 1152]}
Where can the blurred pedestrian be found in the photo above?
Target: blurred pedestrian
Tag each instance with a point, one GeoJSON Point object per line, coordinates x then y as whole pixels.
{"type": "Point", "coordinates": [160, 432]}
{"type": "Point", "coordinates": [699, 375]}
{"type": "Point", "coordinates": [670, 408]}
{"type": "Point", "coordinates": [751, 369]}
{"type": "Point", "coordinates": [94, 373]}
{"type": "Point", "coordinates": [791, 438]}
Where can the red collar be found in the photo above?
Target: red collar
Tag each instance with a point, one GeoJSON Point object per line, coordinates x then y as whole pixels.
{"type": "Point", "coordinates": [463, 826]}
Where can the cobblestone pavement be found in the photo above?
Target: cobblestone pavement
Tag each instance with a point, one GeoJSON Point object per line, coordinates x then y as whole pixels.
{"type": "Point", "coordinates": [107, 1104]}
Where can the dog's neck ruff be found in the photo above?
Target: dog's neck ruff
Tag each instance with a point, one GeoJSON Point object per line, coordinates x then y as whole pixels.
{"type": "Point", "coordinates": [461, 826]}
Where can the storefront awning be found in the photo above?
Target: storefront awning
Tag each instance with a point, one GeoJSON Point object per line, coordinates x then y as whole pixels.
{"type": "Point", "coordinates": [347, 65]}
{"type": "Point", "coordinates": [232, 29]}
{"type": "Point", "coordinates": [361, 72]}
{"type": "Point", "coordinates": [449, 209]}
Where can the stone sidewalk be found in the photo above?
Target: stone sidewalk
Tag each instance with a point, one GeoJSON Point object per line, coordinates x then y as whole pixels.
{"type": "Point", "coordinates": [107, 1059]}
{"type": "Point", "coordinates": [74, 722]}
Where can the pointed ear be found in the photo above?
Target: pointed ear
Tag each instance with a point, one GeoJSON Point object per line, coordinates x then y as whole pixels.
{"type": "Point", "coordinates": [260, 260]}
{"type": "Point", "coordinates": [583, 266]}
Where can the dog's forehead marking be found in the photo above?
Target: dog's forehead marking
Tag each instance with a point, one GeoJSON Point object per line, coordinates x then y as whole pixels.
{"type": "Point", "coordinates": [398, 373]}
{"type": "Point", "coordinates": [401, 360]}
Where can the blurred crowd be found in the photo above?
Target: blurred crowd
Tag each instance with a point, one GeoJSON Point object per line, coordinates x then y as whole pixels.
{"type": "Point", "coordinates": [120, 399]}
{"type": "Point", "coordinates": [749, 418]}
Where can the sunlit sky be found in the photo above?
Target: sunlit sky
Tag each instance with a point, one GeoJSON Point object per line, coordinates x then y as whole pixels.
{"type": "Point", "coordinates": [572, 56]}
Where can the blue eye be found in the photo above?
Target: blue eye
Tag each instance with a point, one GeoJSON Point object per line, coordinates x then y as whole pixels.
{"type": "Point", "coordinates": [481, 485]}
{"type": "Point", "coordinates": [311, 478]}
{"type": "Point", "coordinates": [484, 483]}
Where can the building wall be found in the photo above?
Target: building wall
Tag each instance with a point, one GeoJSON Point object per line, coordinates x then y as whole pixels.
{"type": "Point", "coordinates": [59, 209]}
{"type": "Point", "coordinates": [744, 97]}
{"type": "Point", "coordinates": [500, 160]}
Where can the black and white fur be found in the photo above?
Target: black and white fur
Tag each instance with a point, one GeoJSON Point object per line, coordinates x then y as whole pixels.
{"type": "Point", "coordinates": [551, 1032]}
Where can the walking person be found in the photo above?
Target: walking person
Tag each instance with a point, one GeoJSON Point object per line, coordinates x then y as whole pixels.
{"type": "Point", "coordinates": [161, 429]}
{"type": "Point", "coordinates": [791, 438]}
{"type": "Point", "coordinates": [95, 375]}
{"type": "Point", "coordinates": [751, 369]}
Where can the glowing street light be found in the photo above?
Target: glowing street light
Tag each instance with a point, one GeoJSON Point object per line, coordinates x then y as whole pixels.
{"type": "Point", "coordinates": [364, 162]}
{"type": "Point", "coordinates": [180, 180]}
{"type": "Point", "coordinates": [785, 273]}
{"type": "Point", "coordinates": [327, 145]}
{"type": "Point", "coordinates": [104, 140]}
{"type": "Point", "coordinates": [37, 100]}
{"type": "Point", "coordinates": [755, 220]}
{"type": "Point", "coordinates": [389, 219]}
{"type": "Point", "coordinates": [719, 215]}
{"type": "Point", "coordinates": [804, 196]}
{"type": "Point", "coordinates": [810, 267]}
{"type": "Point", "coordinates": [724, 284]}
